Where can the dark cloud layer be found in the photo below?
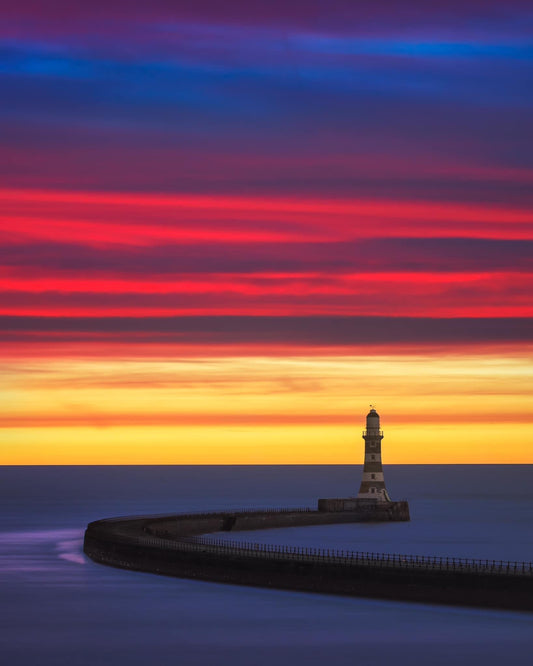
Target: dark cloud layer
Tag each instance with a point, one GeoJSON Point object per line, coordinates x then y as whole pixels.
{"type": "Point", "coordinates": [338, 14]}
{"type": "Point", "coordinates": [372, 97]}
{"type": "Point", "coordinates": [374, 255]}
{"type": "Point", "coordinates": [284, 330]}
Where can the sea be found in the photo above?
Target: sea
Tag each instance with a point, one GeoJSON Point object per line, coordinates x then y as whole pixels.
{"type": "Point", "coordinates": [59, 608]}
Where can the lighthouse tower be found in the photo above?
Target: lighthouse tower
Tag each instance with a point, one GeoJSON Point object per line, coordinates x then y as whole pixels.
{"type": "Point", "coordinates": [373, 483]}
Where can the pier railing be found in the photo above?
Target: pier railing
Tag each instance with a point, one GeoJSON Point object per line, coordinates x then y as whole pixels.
{"type": "Point", "coordinates": [327, 556]}
{"type": "Point", "coordinates": [350, 558]}
{"type": "Point", "coordinates": [206, 514]}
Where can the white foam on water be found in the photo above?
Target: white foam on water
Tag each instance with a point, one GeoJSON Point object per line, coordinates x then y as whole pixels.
{"type": "Point", "coordinates": [39, 550]}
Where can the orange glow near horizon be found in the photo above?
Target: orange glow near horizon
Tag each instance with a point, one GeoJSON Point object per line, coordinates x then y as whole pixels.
{"type": "Point", "coordinates": [459, 407]}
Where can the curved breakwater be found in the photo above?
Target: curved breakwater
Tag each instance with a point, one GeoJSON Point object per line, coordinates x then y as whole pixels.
{"type": "Point", "coordinates": [175, 545]}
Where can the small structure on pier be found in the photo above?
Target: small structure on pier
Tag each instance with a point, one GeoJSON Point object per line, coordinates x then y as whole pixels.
{"type": "Point", "coordinates": [372, 500]}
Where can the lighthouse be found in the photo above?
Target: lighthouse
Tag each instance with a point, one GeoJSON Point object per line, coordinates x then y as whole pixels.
{"type": "Point", "coordinates": [372, 503]}
{"type": "Point", "coordinates": [373, 483]}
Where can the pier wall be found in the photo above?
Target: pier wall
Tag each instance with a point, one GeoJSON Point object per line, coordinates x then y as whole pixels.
{"type": "Point", "coordinates": [193, 524]}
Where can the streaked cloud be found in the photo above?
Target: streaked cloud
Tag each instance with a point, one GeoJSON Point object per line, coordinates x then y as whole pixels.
{"type": "Point", "coordinates": [226, 228]}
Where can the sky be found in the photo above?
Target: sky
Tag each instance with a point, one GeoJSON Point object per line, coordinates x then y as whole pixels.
{"type": "Point", "coordinates": [228, 228]}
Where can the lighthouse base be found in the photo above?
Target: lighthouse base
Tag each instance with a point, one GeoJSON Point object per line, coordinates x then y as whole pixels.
{"type": "Point", "coordinates": [370, 509]}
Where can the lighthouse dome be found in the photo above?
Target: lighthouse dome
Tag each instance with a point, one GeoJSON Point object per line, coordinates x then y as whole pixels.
{"type": "Point", "coordinates": [372, 414]}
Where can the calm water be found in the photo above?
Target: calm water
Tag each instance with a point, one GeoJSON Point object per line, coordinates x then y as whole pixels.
{"type": "Point", "coordinates": [56, 607]}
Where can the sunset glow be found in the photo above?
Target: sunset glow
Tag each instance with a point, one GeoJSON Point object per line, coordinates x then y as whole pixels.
{"type": "Point", "coordinates": [181, 408]}
{"type": "Point", "coordinates": [223, 236]}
